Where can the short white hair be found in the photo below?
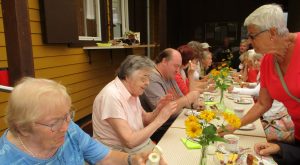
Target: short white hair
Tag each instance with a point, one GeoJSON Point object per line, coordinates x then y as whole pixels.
{"type": "Point", "coordinates": [32, 98]}
{"type": "Point", "coordinates": [268, 16]}
{"type": "Point", "coordinates": [252, 55]}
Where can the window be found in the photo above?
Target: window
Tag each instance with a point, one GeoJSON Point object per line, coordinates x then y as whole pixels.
{"type": "Point", "coordinates": [120, 17]}
{"type": "Point", "coordinates": [89, 20]}
{"type": "Point", "coordinates": [80, 22]}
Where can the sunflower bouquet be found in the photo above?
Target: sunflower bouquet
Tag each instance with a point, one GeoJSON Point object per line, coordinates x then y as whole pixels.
{"type": "Point", "coordinates": [221, 79]}
{"type": "Point", "coordinates": [200, 129]}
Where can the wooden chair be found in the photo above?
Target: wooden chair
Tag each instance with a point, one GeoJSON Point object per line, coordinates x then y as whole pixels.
{"type": "Point", "coordinates": [88, 127]}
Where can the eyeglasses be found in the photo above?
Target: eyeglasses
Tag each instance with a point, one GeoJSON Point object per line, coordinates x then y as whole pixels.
{"type": "Point", "coordinates": [252, 37]}
{"type": "Point", "coordinates": [59, 123]}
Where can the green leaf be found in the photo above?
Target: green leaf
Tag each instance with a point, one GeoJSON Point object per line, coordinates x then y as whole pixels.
{"type": "Point", "coordinates": [219, 139]}
{"type": "Point", "coordinates": [211, 129]}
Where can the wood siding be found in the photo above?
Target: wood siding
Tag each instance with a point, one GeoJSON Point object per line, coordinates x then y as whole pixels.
{"type": "Point", "coordinates": [69, 66]}
{"type": "Point", "coordinates": [3, 64]}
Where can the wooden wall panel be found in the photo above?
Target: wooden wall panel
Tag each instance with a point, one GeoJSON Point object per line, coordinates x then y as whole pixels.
{"type": "Point", "coordinates": [50, 50]}
{"type": "Point", "coordinates": [34, 15]}
{"type": "Point", "coordinates": [3, 109]}
{"type": "Point", "coordinates": [1, 24]}
{"type": "Point", "coordinates": [36, 39]}
{"type": "Point", "coordinates": [69, 66]}
{"type": "Point", "coordinates": [3, 52]}
{"type": "Point", "coordinates": [3, 64]}
{"type": "Point", "coordinates": [35, 27]}
{"type": "Point", "coordinates": [3, 97]}
{"type": "Point", "coordinates": [50, 62]}
{"type": "Point", "coordinates": [3, 124]}
{"type": "Point", "coordinates": [33, 4]}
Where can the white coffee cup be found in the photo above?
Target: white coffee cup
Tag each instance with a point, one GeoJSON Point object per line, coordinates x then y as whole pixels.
{"type": "Point", "coordinates": [234, 95]}
{"type": "Point", "coordinates": [231, 142]}
{"type": "Point", "coordinates": [239, 112]}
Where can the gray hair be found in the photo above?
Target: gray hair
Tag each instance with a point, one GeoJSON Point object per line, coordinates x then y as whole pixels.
{"type": "Point", "coordinates": [133, 63]}
{"type": "Point", "coordinates": [268, 16]}
{"type": "Point", "coordinates": [197, 46]}
{"type": "Point", "coordinates": [244, 41]}
{"type": "Point", "coordinates": [205, 54]}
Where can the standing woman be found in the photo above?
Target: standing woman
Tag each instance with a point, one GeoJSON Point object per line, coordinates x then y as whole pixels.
{"type": "Point", "coordinates": [269, 35]}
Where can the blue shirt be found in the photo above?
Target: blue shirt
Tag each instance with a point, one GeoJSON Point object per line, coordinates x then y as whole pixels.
{"type": "Point", "coordinates": [77, 148]}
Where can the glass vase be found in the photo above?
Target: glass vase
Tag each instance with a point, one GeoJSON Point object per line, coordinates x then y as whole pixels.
{"type": "Point", "coordinates": [203, 160]}
{"type": "Point", "coordinates": [221, 105]}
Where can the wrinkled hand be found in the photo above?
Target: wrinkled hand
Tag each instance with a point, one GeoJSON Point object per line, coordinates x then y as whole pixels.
{"type": "Point", "coordinates": [193, 96]}
{"type": "Point", "coordinates": [191, 69]}
{"type": "Point", "coordinates": [141, 159]}
{"type": "Point", "coordinates": [266, 149]}
{"type": "Point", "coordinates": [198, 104]}
{"type": "Point", "coordinates": [166, 112]}
{"type": "Point", "coordinates": [164, 101]}
{"type": "Point", "coordinates": [228, 130]}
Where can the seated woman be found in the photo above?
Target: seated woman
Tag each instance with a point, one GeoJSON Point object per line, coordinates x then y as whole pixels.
{"type": "Point", "coordinates": [119, 120]}
{"type": "Point", "coordinates": [197, 48]}
{"type": "Point", "coordinates": [250, 69]}
{"type": "Point", "coordinates": [206, 62]}
{"type": "Point", "coordinates": [185, 81]}
{"type": "Point", "coordinates": [41, 130]}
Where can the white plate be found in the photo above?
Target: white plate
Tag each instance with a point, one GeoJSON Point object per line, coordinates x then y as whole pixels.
{"type": "Point", "coordinates": [229, 97]}
{"type": "Point", "coordinates": [265, 160]}
{"type": "Point", "coordinates": [221, 148]}
{"type": "Point", "coordinates": [209, 99]}
{"type": "Point", "coordinates": [250, 126]}
{"type": "Point", "coordinates": [243, 101]}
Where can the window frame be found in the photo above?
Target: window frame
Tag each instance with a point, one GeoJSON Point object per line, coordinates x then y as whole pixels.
{"type": "Point", "coordinates": [98, 24]}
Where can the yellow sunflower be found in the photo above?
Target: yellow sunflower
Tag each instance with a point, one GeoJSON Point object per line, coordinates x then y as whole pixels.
{"type": "Point", "coordinates": [193, 129]}
{"type": "Point", "coordinates": [214, 72]}
{"type": "Point", "coordinates": [191, 119]}
{"type": "Point", "coordinates": [207, 115]}
{"type": "Point", "coordinates": [225, 74]}
{"type": "Point", "coordinates": [233, 120]}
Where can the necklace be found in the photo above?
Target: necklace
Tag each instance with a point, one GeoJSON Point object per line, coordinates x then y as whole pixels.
{"type": "Point", "coordinates": [28, 150]}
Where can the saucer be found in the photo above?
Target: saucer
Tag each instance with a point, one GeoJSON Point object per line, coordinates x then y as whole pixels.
{"type": "Point", "coordinates": [210, 99]}
{"type": "Point", "coordinates": [229, 97]}
{"type": "Point", "coordinates": [243, 101]}
{"type": "Point", "coordinates": [221, 148]}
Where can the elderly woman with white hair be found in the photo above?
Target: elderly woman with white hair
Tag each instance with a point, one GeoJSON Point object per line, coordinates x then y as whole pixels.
{"type": "Point", "coordinates": [41, 130]}
{"type": "Point", "coordinates": [280, 78]}
{"type": "Point", "coordinates": [119, 120]}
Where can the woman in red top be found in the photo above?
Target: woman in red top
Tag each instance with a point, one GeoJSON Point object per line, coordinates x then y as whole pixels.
{"type": "Point", "coordinates": [186, 82]}
{"type": "Point", "coordinates": [269, 35]}
{"type": "Point", "coordinates": [187, 54]}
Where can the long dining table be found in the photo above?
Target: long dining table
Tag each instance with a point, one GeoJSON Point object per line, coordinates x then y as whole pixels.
{"type": "Point", "coordinates": [176, 153]}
